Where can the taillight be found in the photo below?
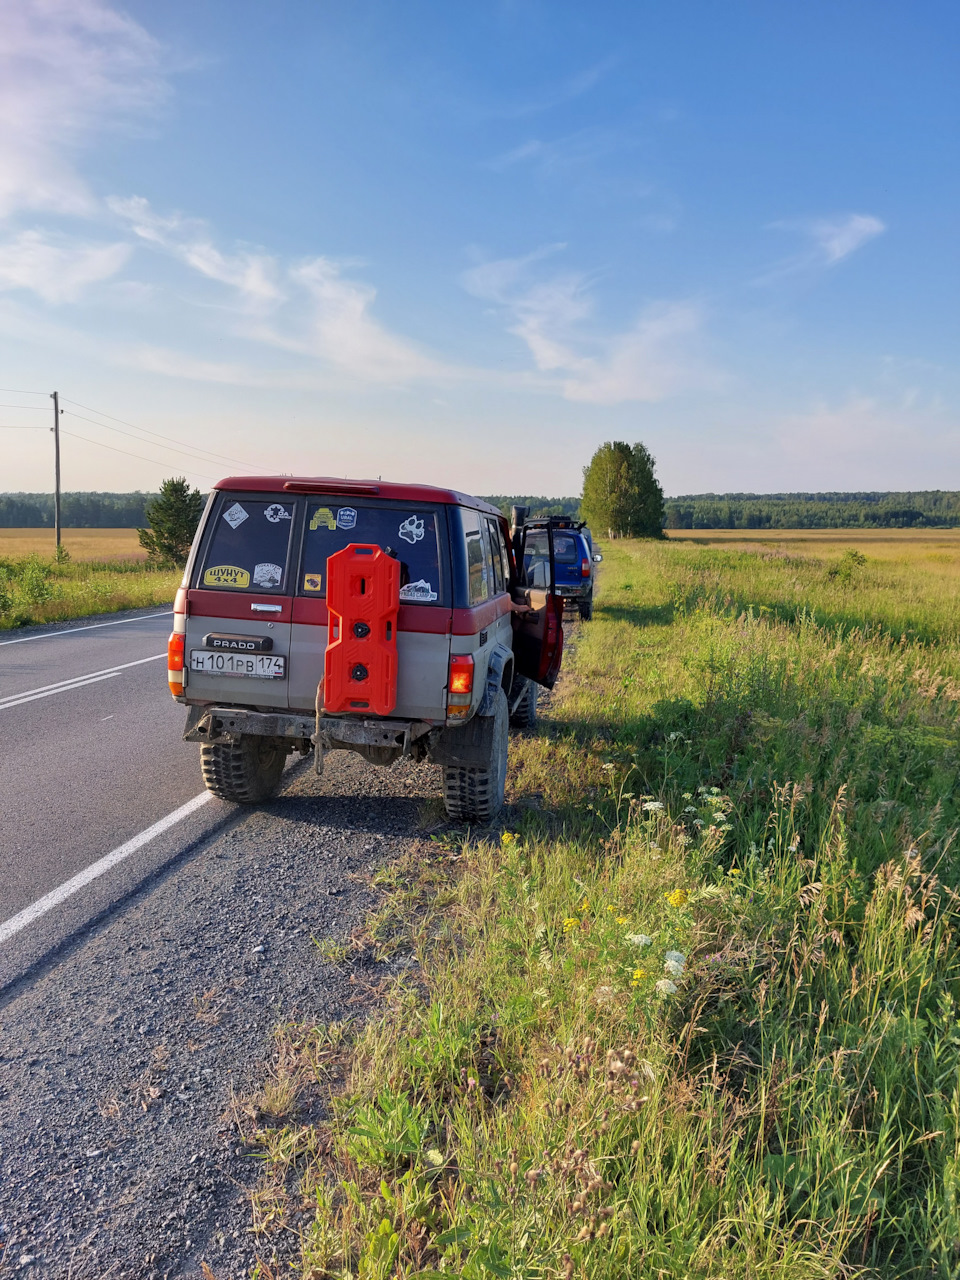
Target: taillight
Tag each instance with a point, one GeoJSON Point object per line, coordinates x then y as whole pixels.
{"type": "Point", "coordinates": [175, 653]}
{"type": "Point", "coordinates": [460, 686]}
{"type": "Point", "coordinates": [584, 568]}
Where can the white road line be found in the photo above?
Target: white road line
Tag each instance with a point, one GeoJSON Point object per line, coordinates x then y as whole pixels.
{"type": "Point", "coordinates": [64, 686]}
{"type": "Point", "coordinates": [53, 899]}
{"type": "Point", "coordinates": [69, 631]}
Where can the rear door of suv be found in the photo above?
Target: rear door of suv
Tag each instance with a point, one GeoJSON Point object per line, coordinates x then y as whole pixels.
{"type": "Point", "coordinates": [417, 535]}
{"type": "Point", "coordinates": [240, 602]}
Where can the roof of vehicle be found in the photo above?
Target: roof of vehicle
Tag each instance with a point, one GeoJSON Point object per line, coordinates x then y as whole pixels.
{"type": "Point", "coordinates": [355, 489]}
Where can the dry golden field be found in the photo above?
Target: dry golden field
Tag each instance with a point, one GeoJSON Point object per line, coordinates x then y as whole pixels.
{"type": "Point", "coordinates": [83, 544]}
{"type": "Point", "coordinates": [936, 546]}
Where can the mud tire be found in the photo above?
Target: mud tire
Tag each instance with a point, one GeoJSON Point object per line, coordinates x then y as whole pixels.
{"type": "Point", "coordinates": [475, 794]}
{"type": "Point", "coordinates": [245, 772]}
{"type": "Point", "coordinates": [525, 712]}
{"type": "Point", "coordinates": [586, 609]}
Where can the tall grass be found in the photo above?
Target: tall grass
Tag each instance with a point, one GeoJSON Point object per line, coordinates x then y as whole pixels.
{"type": "Point", "coordinates": [693, 1013]}
{"type": "Point", "coordinates": [34, 589]}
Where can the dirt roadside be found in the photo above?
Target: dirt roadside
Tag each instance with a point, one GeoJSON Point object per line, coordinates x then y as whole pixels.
{"type": "Point", "coordinates": [118, 1157]}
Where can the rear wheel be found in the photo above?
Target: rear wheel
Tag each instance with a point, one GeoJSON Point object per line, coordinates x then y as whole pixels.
{"type": "Point", "coordinates": [475, 794]}
{"type": "Point", "coordinates": [246, 771]}
{"type": "Point", "coordinates": [524, 715]}
{"type": "Point", "coordinates": [586, 609]}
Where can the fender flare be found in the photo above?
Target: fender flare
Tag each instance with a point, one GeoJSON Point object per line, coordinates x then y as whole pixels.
{"type": "Point", "coordinates": [499, 676]}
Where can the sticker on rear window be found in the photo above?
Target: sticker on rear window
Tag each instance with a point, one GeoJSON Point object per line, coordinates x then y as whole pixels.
{"type": "Point", "coordinates": [323, 516]}
{"type": "Point", "coordinates": [235, 515]}
{"type": "Point", "coordinates": [312, 582]}
{"type": "Point", "coordinates": [226, 575]}
{"type": "Point", "coordinates": [275, 513]}
{"type": "Point", "coordinates": [346, 518]}
{"type": "Point", "coordinates": [267, 575]}
{"type": "Point", "coordinates": [421, 592]}
{"type": "Point", "coordinates": [411, 530]}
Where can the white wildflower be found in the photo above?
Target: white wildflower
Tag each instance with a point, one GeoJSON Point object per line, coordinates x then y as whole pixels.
{"type": "Point", "coordinates": [638, 940]}
{"type": "Point", "coordinates": [652, 806]}
{"type": "Point", "coordinates": [676, 957]}
{"type": "Point", "coordinates": [665, 987]}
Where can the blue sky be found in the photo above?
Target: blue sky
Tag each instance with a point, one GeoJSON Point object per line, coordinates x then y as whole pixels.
{"type": "Point", "coordinates": [468, 243]}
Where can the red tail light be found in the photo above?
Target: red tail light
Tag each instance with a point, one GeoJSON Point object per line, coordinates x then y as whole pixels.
{"type": "Point", "coordinates": [175, 653]}
{"type": "Point", "coordinates": [460, 686]}
{"type": "Point", "coordinates": [584, 568]}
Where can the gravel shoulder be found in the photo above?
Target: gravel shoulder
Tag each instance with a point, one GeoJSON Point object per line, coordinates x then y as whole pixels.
{"type": "Point", "coordinates": [118, 1156]}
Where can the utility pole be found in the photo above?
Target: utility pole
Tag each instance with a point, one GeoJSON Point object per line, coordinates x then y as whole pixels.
{"type": "Point", "coordinates": [55, 397]}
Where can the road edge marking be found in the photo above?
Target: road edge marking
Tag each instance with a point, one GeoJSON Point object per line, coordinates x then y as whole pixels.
{"type": "Point", "coordinates": [69, 631]}
{"type": "Point", "coordinates": [9, 928]}
{"type": "Point", "coordinates": [64, 686]}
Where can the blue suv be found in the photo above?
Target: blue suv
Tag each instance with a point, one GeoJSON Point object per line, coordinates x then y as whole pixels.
{"type": "Point", "coordinates": [573, 557]}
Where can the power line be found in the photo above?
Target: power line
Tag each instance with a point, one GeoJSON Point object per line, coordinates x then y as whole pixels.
{"type": "Point", "coordinates": [155, 462]}
{"type": "Point", "coordinates": [106, 426]}
{"type": "Point", "coordinates": [221, 457]}
{"type": "Point", "coordinates": [14, 392]}
{"type": "Point", "coordinates": [19, 427]}
{"type": "Point", "coordinates": [37, 408]}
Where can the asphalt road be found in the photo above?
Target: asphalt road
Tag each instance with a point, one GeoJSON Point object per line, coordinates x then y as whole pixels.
{"type": "Point", "coordinates": [91, 758]}
{"type": "Point", "coordinates": [137, 1009]}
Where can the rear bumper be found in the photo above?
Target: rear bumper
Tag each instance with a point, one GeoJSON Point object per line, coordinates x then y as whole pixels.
{"type": "Point", "coordinates": [226, 724]}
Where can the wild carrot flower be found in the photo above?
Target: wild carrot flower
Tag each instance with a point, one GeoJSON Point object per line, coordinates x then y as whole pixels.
{"type": "Point", "coordinates": [638, 939]}
{"type": "Point", "coordinates": [652, 806]}
{"type": "Point", "coordinates": [674, 962]}
{"type": "Point", "coordinates": [666, 988]}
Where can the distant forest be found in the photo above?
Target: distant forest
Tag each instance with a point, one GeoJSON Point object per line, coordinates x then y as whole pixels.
{"type": "Point", "coordinates": [77, 510]}
{"type": "Point", "coordinates": [932, 508]}
{"type": "Point", "coordinates": [929, 509]}
{"type": "Point", "coordinates": [538, 506]}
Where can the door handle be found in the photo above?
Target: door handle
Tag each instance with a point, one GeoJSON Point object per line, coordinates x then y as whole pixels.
{"type": "Point", "coordinates": [267, 608]}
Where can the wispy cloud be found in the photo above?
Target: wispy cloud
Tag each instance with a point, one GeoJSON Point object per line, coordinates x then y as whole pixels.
{"type": "Point", "coordinates": [567, 90]}
{"type": "Point", "coordinates": [67, 67]}
{"type": "Point", "coordinates": [56, 269]}
{"type": "Point", "coordinates": [310, 307]}
{"type": "Point", "coordinates": [647, 362]}
{"type": "Point", "coordinates": [571, 151]}
{"type": "Point", "coordinates": [827, 242]}
{"type": "Point", "coordinates": [252, 273]}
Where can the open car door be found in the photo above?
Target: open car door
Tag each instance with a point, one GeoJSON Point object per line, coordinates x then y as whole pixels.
{"type": "Point", "coordinates": [538, 635]}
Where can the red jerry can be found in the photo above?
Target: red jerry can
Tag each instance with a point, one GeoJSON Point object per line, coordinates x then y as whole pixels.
{"type": "Point", "coordinates": [360, 664]}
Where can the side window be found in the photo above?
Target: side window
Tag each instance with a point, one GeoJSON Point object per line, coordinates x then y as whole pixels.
{"type": "Point", "coordinates": [249, 547]}
{"type": "Point", "coordinates": [497, 557]}
{"type": "Point", "coordinates": [478, 568]}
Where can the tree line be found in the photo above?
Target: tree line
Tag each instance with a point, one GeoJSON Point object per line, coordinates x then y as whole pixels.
{"type": "Point", "coordinates": [932, 508]}
{"type": "Point", "coordinates": [77, 510]}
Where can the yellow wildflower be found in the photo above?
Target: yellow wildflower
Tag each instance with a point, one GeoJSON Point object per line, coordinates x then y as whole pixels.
{"type": "Point", "coordinates": [508, 838]}
{"type": "Point", "coordinates": [585, 905]}
{"type": "Point", "coordinates": [621, 919]}
{"type": "Point", "coordinates": [571, 922]}
{"type": "Point", "coordinates": [678, 898]}
{"type": "Point", "coordinates": [638, 977]}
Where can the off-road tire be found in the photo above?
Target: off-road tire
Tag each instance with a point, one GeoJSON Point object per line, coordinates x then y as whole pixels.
{"type": "Point", "coordinates": [247, 771]}
{"type": "Point", "coordinates": [586, 609]}
{"type": "Point", "coordinates": [475, 794]}
{"type": "Point", "coordinates": [524, 715]}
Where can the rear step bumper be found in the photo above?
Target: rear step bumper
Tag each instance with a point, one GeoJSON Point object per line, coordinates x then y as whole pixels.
{"type": "Point", "coordinates": [226, 724]}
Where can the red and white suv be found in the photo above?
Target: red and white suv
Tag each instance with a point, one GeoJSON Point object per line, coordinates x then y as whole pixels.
{"type": "Point", "coordinates": [386, 619]}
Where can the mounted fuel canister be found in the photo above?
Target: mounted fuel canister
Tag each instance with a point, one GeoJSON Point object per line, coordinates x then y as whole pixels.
{"type": "Point", "coordinates": [360, 663]}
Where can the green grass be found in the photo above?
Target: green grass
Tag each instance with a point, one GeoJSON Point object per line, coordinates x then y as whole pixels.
{"type": "Point", "coordinates": [693, 1014]}
{"type": "Point", "coordinates": [34, 589]}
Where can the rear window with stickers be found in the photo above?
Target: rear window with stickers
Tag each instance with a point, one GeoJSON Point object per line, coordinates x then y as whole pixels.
{"type": "Point", "coordinates": [408, 533]}
{"type": "Point", "coordinates": [249, 547]}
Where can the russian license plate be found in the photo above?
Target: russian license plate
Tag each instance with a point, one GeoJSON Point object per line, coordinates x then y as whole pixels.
{"type": "Point", "coordinates": [265, 666]}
